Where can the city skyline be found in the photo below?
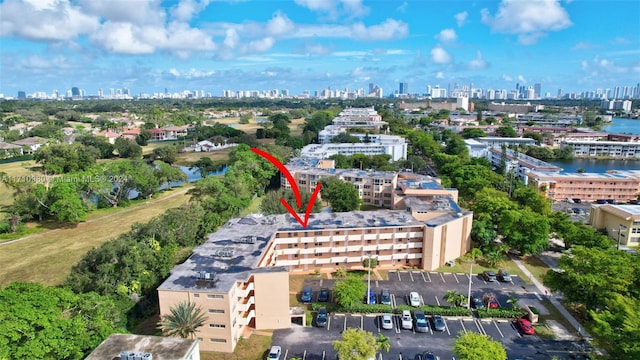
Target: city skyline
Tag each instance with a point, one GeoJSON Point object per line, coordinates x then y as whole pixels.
{"type": "Point", "coordinates": [311, 45]}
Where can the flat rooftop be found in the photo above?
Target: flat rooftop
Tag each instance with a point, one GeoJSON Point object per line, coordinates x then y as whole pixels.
{"type": "Point", "coordinates": [162, 348]}
{"type": "Point", "coordinates": [233, 252]}
{"type": "Point", "coordinates": [575, 175]}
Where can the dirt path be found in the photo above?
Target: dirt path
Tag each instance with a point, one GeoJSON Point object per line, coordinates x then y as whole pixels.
{"type": "Point", "coordinates": [119, 213]}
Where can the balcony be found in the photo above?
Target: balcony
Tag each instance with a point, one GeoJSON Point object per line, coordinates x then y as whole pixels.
{"type": "Point", "coordinates": [246, 304]}
{"type": "Point", "coordinates": [247, 316]}
{"type": "Point", "coordinates": [244, 291]}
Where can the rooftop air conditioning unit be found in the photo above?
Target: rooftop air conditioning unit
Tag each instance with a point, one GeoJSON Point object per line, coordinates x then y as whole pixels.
{"type": "Point", "coordinates": [124, 355]}
{"type": "Point", "coordinates": [147, 356]}
{"type": "Point", "coordinates": [139, 356]}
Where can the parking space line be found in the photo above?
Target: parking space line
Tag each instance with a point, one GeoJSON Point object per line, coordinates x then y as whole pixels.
{"type": "Point", "coordinates": [497, 328]}
{"type": "Point", "coordinates": [515, 329]}
{"type": "Point", "coordinates": [285, 353]}
{"type": "Point", "coordinates": [421, 300]}
{"type": "Point", "coordinates": [463, 327]}
{"type": "Point", "coordinates": [304, 355]}
{"type": "Point", "coordinates": [397, 324]}
{"type": "Point", "coordinates": [423, 278]}
{"type": "Point", "coordinates": [328, 323]}
{"type": "Point", "coordinates": [398, 273]}
{"type": "Point", "coordinates": [411, 275]}
{"type": "Point", "coordinates": [377, 283]}
{"type": "Point", "coordinates": [437, 300]}
{"type": "Point", "coordinates": [442, 276]}
{"type": "Point", "coordinates": [321, 282]}
{"type": "Point", "coordinates": [393, 301]}
{"type": "Point", "coordinates": [345, 323]}
{"type": "Point", "coordinates": [323, 354]}
{"type": "Point", "coordinates": [446, 326]}
{"type": "Point", "coordinates": [456, 277]}
{"type": "Point", "coordinates": [428, 277]}
{"type": "Point", "coordinates": [361, 322]}
{"type": "Point", "coordinates": [480, 327]}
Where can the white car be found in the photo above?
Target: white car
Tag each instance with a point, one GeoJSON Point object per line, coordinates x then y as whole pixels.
{"type": "Point", "coordinates": [274, 353]}
{"type": "Point", "coordinates": [387, 321]}
{"type": "Point", "coordinates": [414, 299]}
{"type": "Point", "coordinates": [407, 321]}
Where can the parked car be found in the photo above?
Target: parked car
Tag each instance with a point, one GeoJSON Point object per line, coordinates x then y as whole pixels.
{"type": "Point", "coordinates": [371, 299]}
{"type": "Point", "coordinates": [504, 275]}
{"type": "Point", "coordinates": [476, 301]}
{"type": "Point", "coordinates": [525, 326]}
{"type": "Point", "coordinates": [414, 299]}
{"type": "Point", "coordinates": [407, 321]}
{"type": "Point", "coordinates": [306, 296]}
{"type": "Point", "coordinates": [387, 321]}
{"type": "Point", "coordinates": [323, 296]}
{"type": "Point", "coordinates": [275, 352]}
{"type": "Point", "coordinates": [421, 322]}
{"type": "Point", "coordinates": [385, 297]}
{"type": "Point", "coordinates": [438, 323]}
{"type": "Point", "coordinates": [489, 275]}
{"type": "Point", "coordinates": [493, 303]}
{"type": "Point", "coordinates": [427, 355]}
{"type": "Point", "coordinates": [321, 318]}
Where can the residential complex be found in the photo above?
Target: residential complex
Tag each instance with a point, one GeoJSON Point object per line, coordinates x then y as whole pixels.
{"type": "Point", "coordinates": [619, 186]}
{"type": "Point", "coordinates": [611, 149]}
{"type": "Point", "coordinates": [620, 222]}
{"type": "Point", "coordinates": [362, 118]}
{"type": "Point", "coordinates": [394, 146]}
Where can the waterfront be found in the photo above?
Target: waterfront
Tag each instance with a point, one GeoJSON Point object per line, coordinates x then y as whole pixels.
{"type": "Point", "coordinates": [623, 126]}
{"type": "Point", "coordinates": [596, 165]}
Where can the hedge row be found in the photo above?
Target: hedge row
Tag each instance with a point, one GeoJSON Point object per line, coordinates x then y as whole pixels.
{"type": "Point", "coordinates": [500, 313]}
{"type": "Point", "coordinates": [438, 310]}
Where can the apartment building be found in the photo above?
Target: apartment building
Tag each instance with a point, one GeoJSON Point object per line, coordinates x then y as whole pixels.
{"type": "Point", "coordinates": [611, 149]}
{"type": "Point", "coordinates": [394, 146]}
{"type": "Point", "coordinates": [620, 222]}
{"type": "Point", "coordinates": [378, 188]}
{"type": "Point", "coordinates": [240, 275]}
{"type": "Point", "coordinates": [499, 142]}
{"type": "Point", "coordinates": [362, 118]}
{"type": "Point", "coordinates": [519, 163]}
{"type": "Point", "coordinates": [620, 186]}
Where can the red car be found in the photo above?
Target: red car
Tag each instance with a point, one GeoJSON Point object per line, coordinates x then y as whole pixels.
{"type": "Point", "coordinates": [493, 304]}
{"type": "Point", "coordinates": [525, 326]}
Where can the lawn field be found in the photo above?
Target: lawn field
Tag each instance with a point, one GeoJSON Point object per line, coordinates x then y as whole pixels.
{"type": "Point", "coordinates": [253, 348]}
{"type": "Point", "coordinates": [16, 170]}
{"type": "Point", "coordinates": [47, 257]}
{"type": "Point", "coordinates": [296, 125]}
{"type": "Point", "coordinates": [188, 158]}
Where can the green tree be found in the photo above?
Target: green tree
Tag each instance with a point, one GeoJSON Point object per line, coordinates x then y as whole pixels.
{"type": "Point", "coordinates": [541, 152]}
{"type": "Point", "coordinates": [524, 230]}
{"type": "Point", "coordinates": [349, 291]}
{"type": "Point", "coordinates": [455, 145]}
{"type": "Point", "coordinates": [617, 326]}
{"type": "Point", "coordinates": [30, 201]}
{"type": "Point", "coordinates": [529, 197]}
{"type": "Point", "coordinates": [271, 202]}
{"type": "Point", "coordinates": [506, 131]}
{"type": "Point", "coordinates": [469, 133]}
{"type": "Point", "coordinates": [168, 174]}
{"type": "Point", "coordinates": [483, 232]}
{"type": "Point", "coordinates": [127, 148]}
{"type": "Point", "coordinates": [66, 205]}
{"type": "Point", "coordinates": [183, 320]}
{"type": "Point", "coordinates": [342, 196]}
{"type": "Point", "coordinates": [533, 135]}
{"type": "Point", "coordinates": [344, 138]}
{"type": "Point", "coordinates": [167, 154]}
{"type": "Point", "coordinates": [356, 344]}
{"type": "Point", "coordinates": [370, 262]}
{"type": "Point", "coordinates": [99, 142]}
{"type": "Point", "coordinates": [204, 165]}
{"type": "Point", "coordinates": [475, 346]}
{"type": "Point", "coordinates": [383, 343]}
{"type": "Point", "coordinates": [492, 258]}
{"type": "Point", "coordinates": [64, 158]}
{"type": "Point", "coordinates": [454, 298]}
{"type": "Point", "coordinates": [43, 322]}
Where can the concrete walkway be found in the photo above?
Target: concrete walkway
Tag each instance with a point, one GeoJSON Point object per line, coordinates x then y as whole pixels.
{"type": "Point", "coordinates": [553, 299]}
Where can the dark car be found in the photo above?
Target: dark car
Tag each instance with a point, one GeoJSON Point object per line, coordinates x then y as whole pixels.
{"type": "Point", "coordinates": [601, 201]}
{"type": "Point", "coordinates": [421, 322]}
{"type": "Point", "coordinates": [504, 275]}
{"type": "Point", "coordinates": [321, 318]}
{"type": "Point", "coordinates": [306, 296]}
{"type": "Point", "coordinates": [438, 323]}
{"type": "Point", "coordinates": [427, 355]}
{"type": "Point", "coordinates": [323, 296]}
{"type": "Point", "coordinates": [489, 275]}
{"type": "Point", "coordinates": [476, 301]}
{"type": "Point", "coordinates": [385, 297]}
{"type": "Point", "coordinates": [371, 299]}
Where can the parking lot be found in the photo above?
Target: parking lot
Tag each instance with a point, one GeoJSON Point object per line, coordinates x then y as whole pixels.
{"type": "Point", "coordinates": [316, 342]}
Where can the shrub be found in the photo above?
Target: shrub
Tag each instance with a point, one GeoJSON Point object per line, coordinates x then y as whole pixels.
{"type": "Point", "coordinates": [438, 310]}
{"type": "Point", "coordinates": [500, 313]}
{"type": "Point", "coordinates": [534, 310]}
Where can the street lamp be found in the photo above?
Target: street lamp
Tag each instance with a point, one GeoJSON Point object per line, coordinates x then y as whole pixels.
{"type": "Point", "coordinates": [470, 275]}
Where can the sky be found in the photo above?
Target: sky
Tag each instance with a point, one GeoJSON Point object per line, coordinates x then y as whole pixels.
{"type": "Point", "coordinates": [213, 45]}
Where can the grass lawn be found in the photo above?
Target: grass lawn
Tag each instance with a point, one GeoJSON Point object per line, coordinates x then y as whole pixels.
{"type": "Point", "coordinates": [535, 266]}
{"type": "Point", "coordinates": [253, 348]}
{"type": "Point", "coordinates": [543, 331]}
{"type": "Point", "coordinates": [554, 314]}
{"type": "Point", "coordinates": [384, 274]}
{"type": "Point", "coordinates": [188, 158]}
{"type": "Point", "coordinates": [15, 170]}
{"type": "Point", "coordinates": [253, 208]}
{"type": "Point", "coordinates": [47, 257]}
{"type": "Point", "coordinates": [179, 144]}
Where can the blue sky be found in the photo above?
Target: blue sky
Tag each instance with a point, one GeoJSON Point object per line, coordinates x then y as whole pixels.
{"type": "Point", "coordinates": [212, 45]}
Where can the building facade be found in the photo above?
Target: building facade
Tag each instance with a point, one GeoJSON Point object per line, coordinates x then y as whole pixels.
{"type": "Point", "coordinates": [610, 149]}
{"type": "Point", "coordinates": [518, 163]}
{"type": "Point", "coordinates": [620, 222]}
{"type": "Point", "coordinates": [621, 186]}
{"type": "Point", "coordinates": [394, 146]}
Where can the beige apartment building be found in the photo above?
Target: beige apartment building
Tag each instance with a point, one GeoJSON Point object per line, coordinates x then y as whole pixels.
{"type": "Point", "coordinates": [618, 185]}
{"type": "Point", "coordinates": [239, 276]}
{"type": "Point", "coordinates": [386, 189]}
{"type": "Point", "coordinates": [620, 222]}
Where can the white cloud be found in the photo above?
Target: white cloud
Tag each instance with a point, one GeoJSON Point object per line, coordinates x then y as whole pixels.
{"type": "Point", "coordinates": [258, 46]}
{"type": "Point", "coordinates": [121, 38]}
{"type": "Point", "coordinates": [620, 41]}
{"type": "Point", "coordinates": [402, 8]}
{"type": "Point", "coordinates": [440, 55]}
{"type": "Point", "coordinates": [461, 18]}
{"type": "Point", "coordinates": [354, 8]}
{"type": "Point", "coordinates": [316, 5]}
{"type": "Point", "coordinates": [529, 19]}
{"type": "Point", "coordinates": [446, 35]}
{"type": "Point", "coordinates": [279, 24]}
{"type": "Point", "coordinates": [231, 38]}
{"type": "Point", "coordinates": [478, 63]}
{"type": "Point", "coordinates": [191, 73]}
{"type": "Point", "coordinates": [521, 79]}
{"type": "Point", "coordinates": [314, 49]}
{"type": "Point", "coordinates": [506, 77]}
{"type": "Point", "coordinates": [387, 30]}
{"type": "Point", "coordinates": [603, 66]}
{"type": "Point", "coordinates": [186, 9]}
{"type": "Point", "coordinates": [439, 75]}
{"type": "Point", "coordinates": [334, 8]}
{"type": "Point", "coordinates": [145, 11]}
{"type": "Point", "coordinates": [45, 20]}
{"type": "Point", "coordinates": [583, 45]}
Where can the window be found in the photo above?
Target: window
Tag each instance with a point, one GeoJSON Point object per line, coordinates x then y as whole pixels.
{"type": "Point", "coordinates": [196, 295]}
{"type": "Point", "coordinates": [217, 326]}
{"type": "Point", "coordinates": [212, 296]}
{"type": "Point", "coordinates": [295, 255]}
{"type": "Point", "coordinates": [218, 340]}
{"type": "Point", "coordinates": [317, 233]}
{"type": "Point", "coordinates": [216, 311]}
{"type": "Point", "coordinates": [318, 244]}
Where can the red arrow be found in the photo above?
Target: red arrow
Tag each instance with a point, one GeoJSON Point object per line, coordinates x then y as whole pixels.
{"type": "Point", "coordinates": [294, 188]}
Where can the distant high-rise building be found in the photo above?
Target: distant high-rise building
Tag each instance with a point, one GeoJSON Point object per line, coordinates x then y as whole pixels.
{"type": "Point", "coordinates": [22, 95]}
{"type": "Point", "coordinates": [404, 88]}
{"type": "Point", "coordinates": [75, 92]}
{"type": "Point", "coordinates": [100, 94]}
{"type": "Point", "coordinates": [616, 92]}
{"type": "Point", "coordinates": [538, 90]}
{"type": "Point", "coordinates": [625, 92]}
{"type": "Point", "coordinates": [559, 93]}
{"type": "Point", "coordinates": [372, 87]}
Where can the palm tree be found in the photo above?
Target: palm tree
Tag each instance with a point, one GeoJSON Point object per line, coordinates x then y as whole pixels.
{"type": "Point", "coordinates": [493, 258]}
{"type": "Point", "coordinates": [513, 301]}
{"type": "Point", "coordinates": [452, 297]}
{"type": "Point", "coordinates": [383, 342]}
{"type": "Point", "coordinates": [183, 321]}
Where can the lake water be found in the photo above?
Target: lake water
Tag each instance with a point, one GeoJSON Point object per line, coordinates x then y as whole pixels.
{"type": "Point", "coordinates": [192, 175]}
{"type": "Point", "coordinates": [623, 126]}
